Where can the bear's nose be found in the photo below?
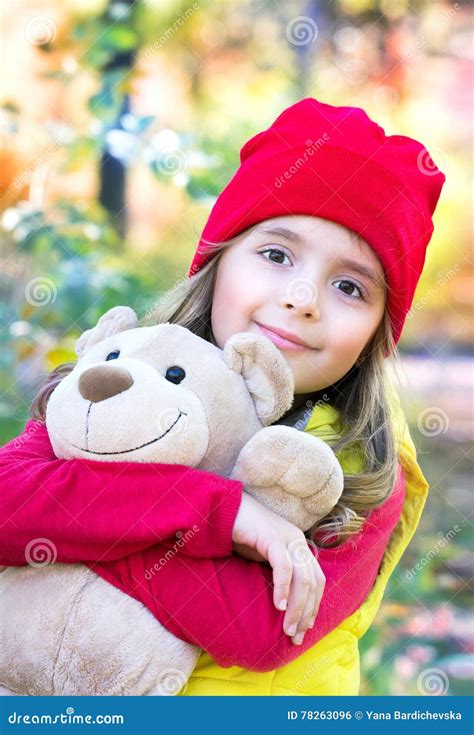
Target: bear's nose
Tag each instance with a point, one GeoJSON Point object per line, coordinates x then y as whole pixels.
{"type": "Point", "coordinates": [101, 382]}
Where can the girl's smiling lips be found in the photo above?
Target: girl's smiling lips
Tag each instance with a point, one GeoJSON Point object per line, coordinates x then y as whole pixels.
{"type": "Point", "coordinates": [283, 339]}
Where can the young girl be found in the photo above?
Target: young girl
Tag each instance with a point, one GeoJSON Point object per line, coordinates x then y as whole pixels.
{"type": "Point", "coordinates": [317, 242]}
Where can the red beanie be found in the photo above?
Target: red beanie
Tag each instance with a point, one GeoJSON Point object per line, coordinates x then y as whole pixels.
{"type": "Point", "coordinates": [338, 164]}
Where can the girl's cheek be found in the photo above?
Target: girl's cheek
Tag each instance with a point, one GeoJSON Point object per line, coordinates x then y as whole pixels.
{"type": "Point", "coordinates": [231, 304]}
{"type": "Point", "coordinates": [344, 352]}
{"type": "Point", "coordinates": [246, 286]}
{"type": "Point", "coordinates": [239, 292]}
{"type": "Point", "coordinates": [345, 327]}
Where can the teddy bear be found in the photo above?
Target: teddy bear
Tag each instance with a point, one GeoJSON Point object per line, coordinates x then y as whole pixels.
{"type": "Point", "coordinates": [153, 394]}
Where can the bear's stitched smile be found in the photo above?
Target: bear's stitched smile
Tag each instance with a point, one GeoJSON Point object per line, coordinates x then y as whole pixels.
{"type": "Point", "coordinates": [146, 444]}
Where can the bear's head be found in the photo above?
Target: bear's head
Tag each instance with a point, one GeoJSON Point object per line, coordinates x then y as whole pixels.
{"type": "Point", "coordinates": [163, 394]}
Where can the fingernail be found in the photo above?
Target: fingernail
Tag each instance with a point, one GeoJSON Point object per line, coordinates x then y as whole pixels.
{"type": "Point", "coordinates": [298, 639]}
{"type": "Point", "coordinates": [283, 604]}
{"type": "Point", "coordinates": [292, 630]}
{"type": "Point", "coordinates": [312, 622]}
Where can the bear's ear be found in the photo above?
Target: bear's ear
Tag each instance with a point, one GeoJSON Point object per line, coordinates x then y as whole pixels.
{"type": "Point", "coordinates": [267, 375]}
{"type": "Point", "coordinates": [115, 320]}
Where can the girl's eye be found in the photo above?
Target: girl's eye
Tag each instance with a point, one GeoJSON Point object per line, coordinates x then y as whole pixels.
{"type": "Point", "coordinates": [175, 374]}
{"type": "Point", "coordinates": [350, 285]}
{"type": "Point", "coordinates": [275, 255]}
{"type": "Point", "coordinates": [113, 355]}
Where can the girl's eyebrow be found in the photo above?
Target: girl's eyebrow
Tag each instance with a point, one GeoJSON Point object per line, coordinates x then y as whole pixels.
{"type": "Point", "coordinates": [283, 232]}
{"type": "Point", "coordinates": [293, 236]}
{"type": "Point", "coordinates": [363, 270]}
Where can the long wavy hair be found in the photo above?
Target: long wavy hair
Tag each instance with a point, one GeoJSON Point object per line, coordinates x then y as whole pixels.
{"type": "Point", "coordinates": [360, 397]}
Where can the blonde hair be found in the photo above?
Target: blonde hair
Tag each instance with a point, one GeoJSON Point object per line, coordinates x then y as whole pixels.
{"type": "Point", "coordinates": [361, 397]}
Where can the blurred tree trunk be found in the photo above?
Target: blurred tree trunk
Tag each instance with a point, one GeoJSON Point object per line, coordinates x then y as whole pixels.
{"type": "Point", "coordinates": [112, 170]}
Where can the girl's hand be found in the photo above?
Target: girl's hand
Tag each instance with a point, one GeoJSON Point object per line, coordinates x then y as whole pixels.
{"type": "Point", "coordinates": [260, 534]}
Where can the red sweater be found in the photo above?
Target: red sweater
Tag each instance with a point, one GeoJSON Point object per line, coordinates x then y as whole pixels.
{"type": "Point", "coordinates": [122, 519]}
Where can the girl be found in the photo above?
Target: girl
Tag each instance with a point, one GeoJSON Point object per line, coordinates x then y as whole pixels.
{"type": "Point", "coordinates": [318, 242]}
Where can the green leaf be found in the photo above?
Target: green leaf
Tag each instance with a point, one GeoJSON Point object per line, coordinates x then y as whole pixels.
{"type": "Point", "coordinates": [119, 37]}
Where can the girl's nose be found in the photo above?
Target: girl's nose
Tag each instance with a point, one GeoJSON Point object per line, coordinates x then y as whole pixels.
{"type": "Point", "coordinates": [301, 296]}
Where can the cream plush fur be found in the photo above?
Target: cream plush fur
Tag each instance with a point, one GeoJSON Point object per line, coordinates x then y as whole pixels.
{"type": "Point", "coordinates": [63, 629]}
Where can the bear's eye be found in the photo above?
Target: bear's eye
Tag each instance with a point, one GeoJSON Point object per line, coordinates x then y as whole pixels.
{"type": "Point", "coordinates": [175, 374]}
{"type": "Point", "coordinates": [113, 355]}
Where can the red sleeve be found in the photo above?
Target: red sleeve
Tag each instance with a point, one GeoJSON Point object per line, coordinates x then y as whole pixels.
{"type": "Point", "coordinates": [94, 511]}
{"type": "Point", "coordinates": [227, 607]}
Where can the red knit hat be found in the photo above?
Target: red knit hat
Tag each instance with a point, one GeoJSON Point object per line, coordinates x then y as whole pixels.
{"type": "Point", "coordinates": [337, 163]}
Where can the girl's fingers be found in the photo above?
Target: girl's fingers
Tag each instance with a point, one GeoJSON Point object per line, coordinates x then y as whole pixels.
{"type": "Point", "coordinates": [299, 582]}
{"type": "Point", "coordinates": [300, 587]}
{"type": "Point", "coordinates": [282, 576]}
{"type": "Point", "coordinates": [309, 609]}
{"type": "Point", "coordinates": [320, 585]}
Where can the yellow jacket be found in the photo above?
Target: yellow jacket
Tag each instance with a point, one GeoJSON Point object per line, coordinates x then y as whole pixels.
{"type": "Point", "coordinates": [331, 667]}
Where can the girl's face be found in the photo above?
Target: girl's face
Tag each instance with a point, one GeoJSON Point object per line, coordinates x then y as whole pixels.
{"type": "Point", "coordinates": [311, 286]}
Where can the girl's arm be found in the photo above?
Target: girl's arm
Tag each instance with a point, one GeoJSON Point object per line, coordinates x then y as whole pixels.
{"type": "Point", "coordinates": [227, 608]}
{"type": "Point", "coordinates": [91, 511]}
{"type": "Point", "coordinates": [87, 511]}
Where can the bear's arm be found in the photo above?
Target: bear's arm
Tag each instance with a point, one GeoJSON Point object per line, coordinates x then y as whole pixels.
{"type": "Point", "coordinates": [92, 511]}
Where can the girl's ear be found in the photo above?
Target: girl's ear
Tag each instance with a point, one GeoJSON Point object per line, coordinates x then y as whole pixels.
{"type": "Point", "coordinates": [115, 320]}
{"type": "Point", "coordinates": [267, 375]}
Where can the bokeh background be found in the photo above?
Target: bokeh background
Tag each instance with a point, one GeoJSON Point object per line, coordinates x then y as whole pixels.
{"type": "Point", "coordinates": [122, 121]}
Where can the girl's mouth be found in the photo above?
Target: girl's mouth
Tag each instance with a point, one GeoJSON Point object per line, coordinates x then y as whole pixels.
{"type": "Point", "coordinates": [284, 343]}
